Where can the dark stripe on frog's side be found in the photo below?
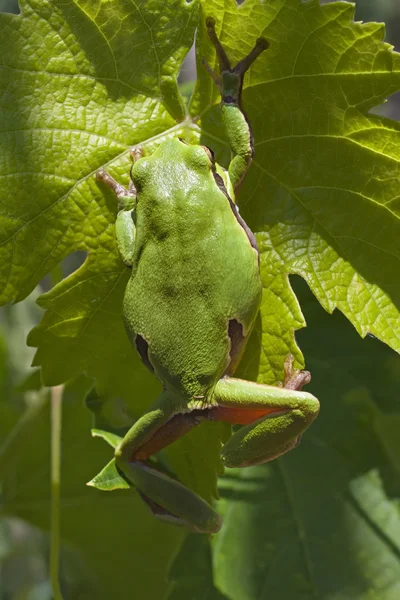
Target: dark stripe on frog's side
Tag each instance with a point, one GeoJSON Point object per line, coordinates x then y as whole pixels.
{"type": "Point", "coordinates": [251, 237]}
{"type": "Point", "coordinates": [237, 339]}
{"type": "Point", "coordinates": [143, 349]}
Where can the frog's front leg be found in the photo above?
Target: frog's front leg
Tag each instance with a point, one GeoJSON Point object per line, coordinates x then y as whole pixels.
{"type": "Point", "coordinates": [124, 225]}
{"type": "Point", "coordinates": [230, 84]}
{"type": "Point", "coordinates": [274, 418]}
{"type": "Point", "coordinates": [168, 499]}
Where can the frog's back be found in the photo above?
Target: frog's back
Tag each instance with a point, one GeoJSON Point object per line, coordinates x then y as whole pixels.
{"type": "Point", "coordinates": [195, 271]}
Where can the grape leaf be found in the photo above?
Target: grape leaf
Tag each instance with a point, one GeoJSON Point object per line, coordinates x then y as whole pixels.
{"type": "Point", "coordinates": [322, 194]}
{"type": "Point", "coordinates": [82, 81]}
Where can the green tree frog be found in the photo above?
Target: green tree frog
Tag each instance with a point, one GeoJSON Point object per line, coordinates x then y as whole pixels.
{"type": "Point", "coordinates": [190, 305]}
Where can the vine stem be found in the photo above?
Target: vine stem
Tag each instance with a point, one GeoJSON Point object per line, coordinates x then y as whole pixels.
{"type": "Point", "coordinates": [56, 424]}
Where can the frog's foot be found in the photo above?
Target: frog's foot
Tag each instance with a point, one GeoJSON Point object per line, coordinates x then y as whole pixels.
{"type": "Point", "coordinates": [294, 379]}
{"type": "Point", "coordinates": [124, 224]}
{"type": "Point", "coordinates": [124, 196]}
{"type": "Point", "coordinates": [230, 87]}
{"type": "Point", "coordinates": [136, 152]}
{"type": "Point", "coordinates": [274, 418]}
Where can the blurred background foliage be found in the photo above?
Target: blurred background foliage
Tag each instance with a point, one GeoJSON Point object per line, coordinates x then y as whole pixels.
{"type": "Point", "coordinates": [24, 549]}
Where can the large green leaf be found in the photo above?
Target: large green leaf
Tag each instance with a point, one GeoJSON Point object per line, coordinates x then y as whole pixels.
{"type": "Point", "coordinates": [81, 81]}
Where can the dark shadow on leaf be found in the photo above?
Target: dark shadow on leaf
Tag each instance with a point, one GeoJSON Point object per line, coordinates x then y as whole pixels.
{"type": "Point", "coordinates": [319, 518]}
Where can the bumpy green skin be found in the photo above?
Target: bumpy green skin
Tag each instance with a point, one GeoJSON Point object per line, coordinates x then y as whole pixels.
{"type": "Point", "coordinates": [190, 305]}
{"type": "Point", "coordinates": [193, 270]}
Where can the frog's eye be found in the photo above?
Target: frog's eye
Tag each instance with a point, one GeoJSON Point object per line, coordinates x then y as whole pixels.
{"type": "Point", "coordinates": [210, 153]}
{"type": "Point", "coordinates": [199, 158]}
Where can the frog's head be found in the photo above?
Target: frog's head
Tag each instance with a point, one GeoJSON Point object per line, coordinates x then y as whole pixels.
{"type": "Point", "coordinates": [172, 154]}
{"type": "Point", "coordinates": [197, 158]}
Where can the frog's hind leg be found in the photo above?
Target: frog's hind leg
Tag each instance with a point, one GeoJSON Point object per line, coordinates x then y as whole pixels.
{"type": "Point", "coordinates": [168, 499]}
{"type": "Point", "coordinates": [274, 418]}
